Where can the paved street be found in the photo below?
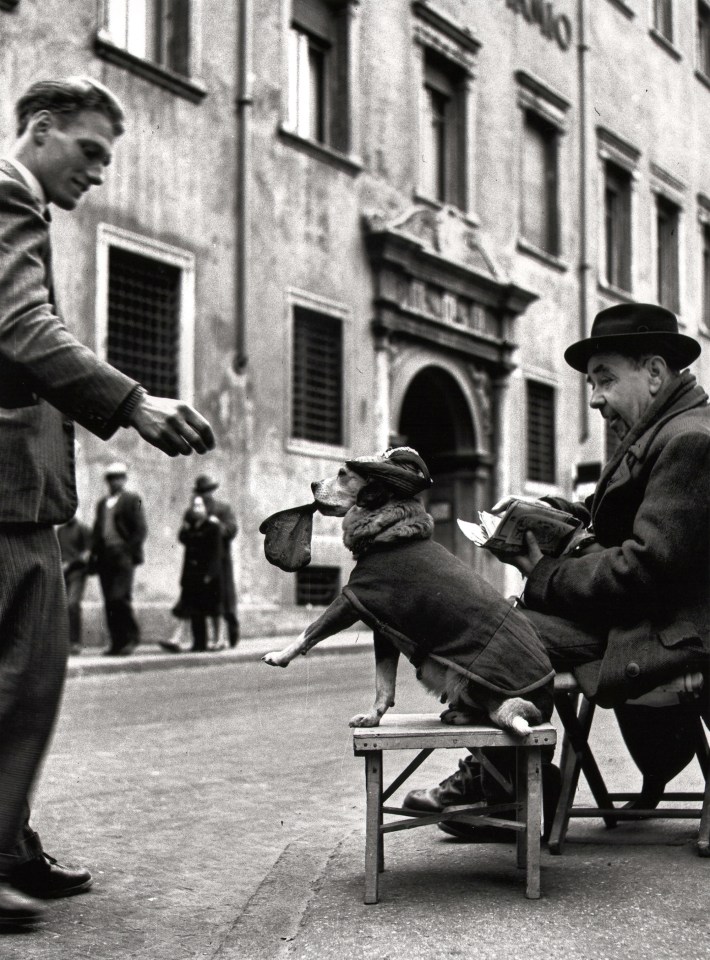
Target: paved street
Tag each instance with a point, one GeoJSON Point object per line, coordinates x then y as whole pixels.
{"type": "Point", "coordinates": [221, 810]}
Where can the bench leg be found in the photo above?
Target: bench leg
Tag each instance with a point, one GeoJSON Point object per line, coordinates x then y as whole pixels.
{"type": "Point", "coordinates": [374, 846]}
{"type": "Point", "coordinates": [532, 811]}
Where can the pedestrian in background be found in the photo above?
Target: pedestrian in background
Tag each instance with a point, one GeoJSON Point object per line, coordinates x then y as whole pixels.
{"type": "Point", "coordinates": [119, 533]}
{"type": "Point", "coordinates": [66, 131]}
{"type": "Point", "coordinates": [201, 588]}
{"type": "Point", "coordinates": [75, 548]}
{"type": "Point", "coordinates": [205, 486]}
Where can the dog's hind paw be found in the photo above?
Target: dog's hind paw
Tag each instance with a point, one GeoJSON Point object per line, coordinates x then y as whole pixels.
{"type": "Point", "coordinates": [516, 715]}
{"type": "Point", "coordinates": [365, 720]}
{"type": "Point", "coordinates": [275, 659]}
{"type": "Point", "coordinates": [457, 717]}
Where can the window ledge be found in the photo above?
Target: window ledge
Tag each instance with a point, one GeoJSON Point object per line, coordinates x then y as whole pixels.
{"type": "Point", "coordinates": [622, 296]}
{"type": "Point", "coordinates": [311, 448]}
{"type": "Point", "coordinates": [665, 44]}
{"type": "Point", "coordinates": [469, 218]}
{"type": "Point", "coordinates": [549, 259]}
{"type": "Point", "coordinates": [190, 89]}
{"type": "Point", "coordinates": [320, 151]}
{"type": "Point", "coordinates": [8, 4]}
{"type": "Point", "coordinates": [703, 78]}
{"type": "Point", "coordinates": [624, 8]}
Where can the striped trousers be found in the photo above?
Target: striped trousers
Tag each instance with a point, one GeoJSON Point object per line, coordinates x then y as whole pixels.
{"type": "Point", "coordinates": [34, 646]}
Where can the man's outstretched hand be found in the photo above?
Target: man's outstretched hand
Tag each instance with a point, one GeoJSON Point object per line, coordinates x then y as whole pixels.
{"type": "Point", "coordinates": [172, 426]}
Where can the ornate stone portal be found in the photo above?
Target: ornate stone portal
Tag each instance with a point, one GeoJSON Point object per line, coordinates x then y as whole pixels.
{"type": "Point", "coordinates": [444, 310]}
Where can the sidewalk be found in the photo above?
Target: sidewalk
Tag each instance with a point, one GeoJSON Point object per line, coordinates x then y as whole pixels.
{"type": "Point", "coordinates": [150, 656]}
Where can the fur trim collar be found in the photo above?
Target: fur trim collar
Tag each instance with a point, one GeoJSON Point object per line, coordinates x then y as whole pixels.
{"type": "Point", "coordinates": [397, 520]}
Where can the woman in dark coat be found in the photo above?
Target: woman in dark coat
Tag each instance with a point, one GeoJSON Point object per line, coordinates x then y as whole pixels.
{"type": "Point", "coordinates": [202, 589]}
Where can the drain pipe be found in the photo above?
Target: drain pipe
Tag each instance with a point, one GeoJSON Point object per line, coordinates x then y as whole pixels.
{"type": "Point", "coordinates": [583, 266]}
{"type": "Point", "coordinates": [244, 104]}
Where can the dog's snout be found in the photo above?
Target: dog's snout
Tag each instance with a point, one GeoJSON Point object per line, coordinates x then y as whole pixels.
{"type": "Point", "coordinates": [314, 486]}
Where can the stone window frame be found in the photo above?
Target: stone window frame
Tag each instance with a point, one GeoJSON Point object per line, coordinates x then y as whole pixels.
{"type": "Point", "coordinates": [537, 99]}
{"type": "Point", "coordinates": [109, 236]}
{"type": "Point", "coordinates": [346, 156]}
{"type": "Point", "coordinates": [189, 87]}
{"type": "Point", "coordinates": [702, 11]}
{"type": "Point", "coordinates": [338, 311]}
{"type": "Point", "coordinates": [667, 188]}
{"type": "Point", "coordinates": [613, 149]}
{"type": "Point", "coordinates": [455, 47]}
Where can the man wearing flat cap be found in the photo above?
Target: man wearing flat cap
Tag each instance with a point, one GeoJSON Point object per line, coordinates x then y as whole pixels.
{"type": "Point", "coordinates": [629, 607]}
{"type": "Point", "coordinates": [119, 534]}
{"type": "Point", "coordinates": [205, 486]}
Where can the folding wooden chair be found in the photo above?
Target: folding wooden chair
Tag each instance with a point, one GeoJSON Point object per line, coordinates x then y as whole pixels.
{"type": "Point", "coordinates": [576, 714]}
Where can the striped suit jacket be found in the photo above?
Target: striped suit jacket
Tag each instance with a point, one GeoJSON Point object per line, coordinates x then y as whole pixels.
{"type": "Point", "coordinates": [48, 379]}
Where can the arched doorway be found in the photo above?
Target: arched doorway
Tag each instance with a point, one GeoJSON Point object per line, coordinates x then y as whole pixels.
{"type": "Point", "coordinates": [435, 418]}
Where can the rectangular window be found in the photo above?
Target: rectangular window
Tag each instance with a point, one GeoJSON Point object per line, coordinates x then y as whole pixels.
{"type": "Point", "coordinates": [704, 37]}
{"type": "Point", "coordinates": [443, 132]}
{"type": "Point", "coordinates": [541, 445]}
{"type": "Point", "coordinates": [317, 377]}
{"type": "Point", "coordinates": [706, 276]}
{"type": "Point", "coordinates": [155, 30]}
{"type": "Point", "coordinates": [143, 336]}
{"type": "Point", "coordinates": [317, 586]}
{"type": "Point", "coordinates": [617, 226]}
{"type": "Point", "coordinates": [540, 217]}
{"type": "Point", "coordinates": [663, 18]}
{"type": "Point", "coordinates": [318, 105]}
{"type": "Point", "coordinates": [667, 226]}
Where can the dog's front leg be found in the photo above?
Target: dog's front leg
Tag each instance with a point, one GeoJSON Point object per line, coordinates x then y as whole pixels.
{"type": "Point", "coordinates": [386, 660]}
{"type": "Point", "coordinates": [338, 616]}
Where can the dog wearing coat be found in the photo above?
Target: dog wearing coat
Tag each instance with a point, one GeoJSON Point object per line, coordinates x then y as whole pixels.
{"type": "Point", "coordinates": [470, 646]}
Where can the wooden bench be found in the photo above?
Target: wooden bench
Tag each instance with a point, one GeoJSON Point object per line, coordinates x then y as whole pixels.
{"type": "Point", "coordinates": [425, 733]}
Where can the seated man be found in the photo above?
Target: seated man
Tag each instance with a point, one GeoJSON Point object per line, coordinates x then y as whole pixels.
{"type": "Point", "coordinates": [630, 606]}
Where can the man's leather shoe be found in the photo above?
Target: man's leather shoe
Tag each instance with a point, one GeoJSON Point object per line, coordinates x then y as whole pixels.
{"type": "Point", "coordinates": [464, 786]}
{"type": "Point", "coordinates": [43, 877]}
{"type": "Point", "coordinates": [16, 909]}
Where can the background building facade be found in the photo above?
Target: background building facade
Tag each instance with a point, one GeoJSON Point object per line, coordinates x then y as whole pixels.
{"type": "Point", "coordinates": [336, 224]}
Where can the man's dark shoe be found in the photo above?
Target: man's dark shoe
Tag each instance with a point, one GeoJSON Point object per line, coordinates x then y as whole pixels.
{"type": "Point", "coordinates": [16, 909]}
{"type": "Point", "coordinates": [649, 797]}
{"type": "Point", "coordinates": [464, 786]}
{"type": "Point", "coordinates": [126, 650]}
{"type": "Point", "coordinates": [43, 877]}
{"type": "Point", "coordinates": [171, 646]}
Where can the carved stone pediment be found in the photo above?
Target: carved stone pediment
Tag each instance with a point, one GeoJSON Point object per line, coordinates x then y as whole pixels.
{"type": "Point", "coordinates": [444, 231]}
{"type": "Point", "coordinates": [435, 282]}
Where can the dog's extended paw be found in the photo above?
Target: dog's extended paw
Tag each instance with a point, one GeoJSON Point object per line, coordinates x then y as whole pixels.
{"type": "Point", "coordinates": [516, 715]}
{"type": "Point", "coordinates": [276, 659]}
{"type": "Point", "coordinates": [365, 720]}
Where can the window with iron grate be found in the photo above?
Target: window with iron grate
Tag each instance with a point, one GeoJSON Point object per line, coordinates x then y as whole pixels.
{"type": "Point", "coordinates": [144, 320]}
{"type": "Point", "coordinates": [317, 401]}
{"type": "Point", "coordinates": [317, 586]}
{"type": "Point", "coordinates": [541, 445]}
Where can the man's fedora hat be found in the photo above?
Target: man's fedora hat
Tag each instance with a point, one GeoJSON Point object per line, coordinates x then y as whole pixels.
{"type": "Point", "coordinates": [116, 469]}
{"type": "Point", "coordinates": [205, 484]}
{"type": "Point", "coordinates": [635, 325]}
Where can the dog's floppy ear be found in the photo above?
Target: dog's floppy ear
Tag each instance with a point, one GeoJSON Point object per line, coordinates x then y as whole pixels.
{"type": "Point", "coordinates": [373, 495]}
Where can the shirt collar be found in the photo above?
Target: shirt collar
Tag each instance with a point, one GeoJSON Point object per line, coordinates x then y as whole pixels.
{"type": "Point", "coordinates": [30, 179]}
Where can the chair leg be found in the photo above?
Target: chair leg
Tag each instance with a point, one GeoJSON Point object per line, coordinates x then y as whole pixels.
{"type": "Point", "coordinates": [521, 797]}
{"type": "Point", "coordinates": [374, 855]}
{"type": "Point", "coordinates": [533, 815]}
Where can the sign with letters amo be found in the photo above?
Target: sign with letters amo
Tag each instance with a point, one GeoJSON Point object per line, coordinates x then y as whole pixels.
{"type": "Point", "coordinates": [555, 26]}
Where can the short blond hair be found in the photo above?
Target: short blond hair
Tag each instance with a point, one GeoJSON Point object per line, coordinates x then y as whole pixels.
{"type": "Point", "coordinates": [66, 99]}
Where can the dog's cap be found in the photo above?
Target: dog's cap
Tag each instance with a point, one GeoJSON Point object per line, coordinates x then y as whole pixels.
{"type": "Point", "coordinates": [399, 468]}
{"type": "Point", "coordinates": [643, 325]}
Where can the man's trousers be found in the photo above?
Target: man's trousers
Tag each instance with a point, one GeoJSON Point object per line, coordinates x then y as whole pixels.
{"type": "Point", "coordinates": [116, 571]}
{"type": "Point", "coordinates": [34, 646]}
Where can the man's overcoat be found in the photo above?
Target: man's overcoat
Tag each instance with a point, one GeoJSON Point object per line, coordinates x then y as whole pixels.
{"type": "Point", "coordinates": [648, 588]}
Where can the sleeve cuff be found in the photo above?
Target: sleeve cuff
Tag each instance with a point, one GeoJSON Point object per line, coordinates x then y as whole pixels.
{"type": "Point", "coordinates": [130, 405]}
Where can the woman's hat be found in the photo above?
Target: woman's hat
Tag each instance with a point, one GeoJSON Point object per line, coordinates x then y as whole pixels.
{"type": "Point", "coordinates": [205, 483]}
{"type": "Point", "coordinates": [638, 325]}
{"type": "Point", "coordinates": [116, 469]}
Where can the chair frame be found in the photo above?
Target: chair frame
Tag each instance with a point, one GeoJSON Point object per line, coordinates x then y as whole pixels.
{"type": "Point", "coordinates": [576, 714]}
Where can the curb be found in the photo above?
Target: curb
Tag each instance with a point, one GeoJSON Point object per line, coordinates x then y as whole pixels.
{"type": "Point", "coordinates": [152, 657]}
